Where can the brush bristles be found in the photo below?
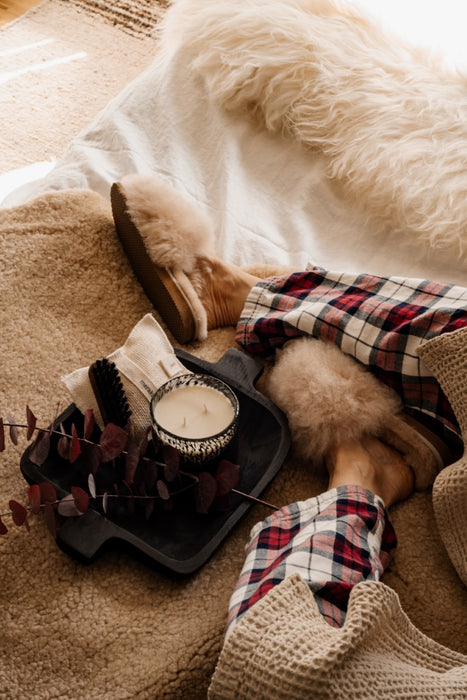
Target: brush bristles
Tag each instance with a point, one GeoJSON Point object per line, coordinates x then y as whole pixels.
{"type": "Point", "coordinates": [109, 392]}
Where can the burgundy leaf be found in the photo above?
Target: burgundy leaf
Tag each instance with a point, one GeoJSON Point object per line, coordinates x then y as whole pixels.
{"type": "Point", "coordinates": [112, 442]}
{"type": "Point", "coordinates": [81, 499]}
{"type": "Point", "coordinates": [75, 447]}
{"type": "Point", "coordinates": [151, 472]}
{"type": "Point", "coordinates": [13, 430]}
{"type": "Point", "coordinates": [131, 461]}
{"type": "Point", "coordinates": [67, 507]}
{"type": "Point", "coordinates": [40, 448]}
{"type": "Point", "coordinates": [93, 458]}
{"type": "Point", "coordinates": [18, 512]}
{"type": "Point", "coordinates": [92, 485]}
{"type": "Point", "coordinates": [89, 423]}
{"type": "Point", "coordinates": [172, 462]}
{"type": "Point", "coordinates": [205, 492]}
{"type": "Point", "coordinates": [227, 475]}
{"type": "Point", "coordinates": [49, 517]}
{"type": "Point", "coordinates": [2, 435]}
{"type": "Point", "coordinates": [221, 502]}
{"type": "Point", "coordinates": [48, 493]}
{"type": "Point", "coordinates": [162, 490]}
{"type": "Point", "coordinates": [63, 444]}
{"type": "Point", "coordinates": [34, 498]}
{"type": "Point", "coordinates": [3, 528]}
{"type": "Point", "coordinates": [31, 420]}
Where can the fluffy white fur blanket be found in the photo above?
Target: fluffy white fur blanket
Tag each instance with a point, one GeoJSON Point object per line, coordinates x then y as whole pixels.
{"type": "Point", "coordinates": [391, 123]}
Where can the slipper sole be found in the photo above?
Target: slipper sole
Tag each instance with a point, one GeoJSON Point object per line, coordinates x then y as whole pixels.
{"type": "Point", "coordinates": [158, 283]}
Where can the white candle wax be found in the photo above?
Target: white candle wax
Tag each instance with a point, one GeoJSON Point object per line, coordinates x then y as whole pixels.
{"type": "Point", "coordinates": [194, 412]}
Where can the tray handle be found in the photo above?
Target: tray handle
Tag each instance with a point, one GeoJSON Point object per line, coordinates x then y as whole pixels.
{"type": "Point", "coordinates": [234, 365]}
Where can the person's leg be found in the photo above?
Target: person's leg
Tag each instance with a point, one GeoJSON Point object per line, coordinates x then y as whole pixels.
{"type": "Point", "coordinates": [224, 289]}
{"type": "Point", "coordinates": [334, 540]}
{"type": "Point", "coordinates": [378, 321]}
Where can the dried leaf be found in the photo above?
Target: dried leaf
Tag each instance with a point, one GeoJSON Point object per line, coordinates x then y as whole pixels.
{"type": "Point", "coordinates": [67, 507]}
{"type": "Point", "coordinates": [48, 493]}
{"type": "Point", "coordinates": [205, 492]}
{"type": "Point", "coordinates": [92, 485]}
{"type": "Point", "coordinates": [162, 490]}
{"type": "Point", "coordinates": [151, 472]}
{"type": "Point", "coordinates": [18, 512]}
{"type": "Point", "coordinates": [2, 435]}
{"type": "Point", "coordinates": [34, 498]}
{"type": "Point", "coordinates": [49, 517]}
{"type": "Point", "coordinates": [13, 430]}
{"type": "Point", "coordinates": [112, 442]}
{"type": "Point", "coordinates": [89, 423]}
{"type": "Point", "coordinates": [227, 476]}
{"type": "Point", "coordinates": [3, 528]}
{"type": "Point", "coordinates": [172, 462]}
{"type": "Point", "coordinates": [93, 458]}
{"type": "Point", "coordinates": [75, 447]}
{"type": "Point", "coordinates": [31, 420]}
{"type": "Point", "coordinates": [63, 444]}
{"type": "Point", "coordinates": [81, 499]}
{"type": "Point", "coordinates": [131, 461]}
{"type": "Point", "coordinates": [40, 448]}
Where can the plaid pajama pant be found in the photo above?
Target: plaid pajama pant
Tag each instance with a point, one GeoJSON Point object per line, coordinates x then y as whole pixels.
{"type": "Point", "coordinates": [380, 321]}
{"type": "Point", "coordinates": [344, 536]}
{"type": "Point", "coordinates": [333, 541]}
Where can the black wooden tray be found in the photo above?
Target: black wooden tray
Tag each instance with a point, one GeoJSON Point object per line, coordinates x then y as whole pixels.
{"type": "Point", "coordinates": [182, 540]}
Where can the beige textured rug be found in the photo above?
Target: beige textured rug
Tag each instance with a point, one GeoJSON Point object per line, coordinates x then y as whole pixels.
{"type": "Point", "coordinates": [119, 629]}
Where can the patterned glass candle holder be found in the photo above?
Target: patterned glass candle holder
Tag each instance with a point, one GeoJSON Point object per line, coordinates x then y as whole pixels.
{"type": "Point", "coordinates": [195, 413]}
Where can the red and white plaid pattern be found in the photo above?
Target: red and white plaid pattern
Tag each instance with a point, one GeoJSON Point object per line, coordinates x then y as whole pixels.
{"type": "Point", "coordinates": [333, 541]}
{"type": "Point", "coordinates": [380, 321]}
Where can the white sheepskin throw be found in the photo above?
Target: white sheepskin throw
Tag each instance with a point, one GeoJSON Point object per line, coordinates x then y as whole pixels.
{"type": "Point", "coordinates": [390, 121]}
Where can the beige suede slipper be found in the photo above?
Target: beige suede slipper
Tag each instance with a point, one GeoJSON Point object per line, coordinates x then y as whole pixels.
{"type": "Point", "coordinates": [158, 239]}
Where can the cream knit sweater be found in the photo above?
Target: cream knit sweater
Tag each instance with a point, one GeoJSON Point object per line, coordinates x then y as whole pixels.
{"type": "Point", "coordinates": [283, 648]}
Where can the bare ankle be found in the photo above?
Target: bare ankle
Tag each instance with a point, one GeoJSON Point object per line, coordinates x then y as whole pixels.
{"type": "Point", "coordinates": [224, 289]}
{"type": "Point", "coordinates": [373, 465]}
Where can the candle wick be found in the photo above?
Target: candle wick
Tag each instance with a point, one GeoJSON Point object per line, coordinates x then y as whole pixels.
{"type": "Point", "coordinates": [184, 422]}
{"type": "Point", "coordinates": [205, 408]}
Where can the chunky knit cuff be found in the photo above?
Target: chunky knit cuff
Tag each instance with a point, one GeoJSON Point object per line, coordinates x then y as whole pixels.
{"type": "Point", "coordinates": [283, 648]}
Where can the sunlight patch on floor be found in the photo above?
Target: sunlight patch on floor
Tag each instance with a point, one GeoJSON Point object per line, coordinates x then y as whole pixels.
{"type": "Point", "coordinates": [43, 65]}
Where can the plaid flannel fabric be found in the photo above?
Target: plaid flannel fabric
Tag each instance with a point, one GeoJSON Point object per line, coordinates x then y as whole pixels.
{"type": "Point", "coordinates": [333, 541]}
{"type": "Point", "coordinates": [380, 321]}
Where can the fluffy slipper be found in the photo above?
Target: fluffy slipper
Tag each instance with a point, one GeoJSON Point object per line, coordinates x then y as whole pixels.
{"type": "Point", "coordinates": [164, 237]}
{"type": "Point", "coordinates": [329, 397]}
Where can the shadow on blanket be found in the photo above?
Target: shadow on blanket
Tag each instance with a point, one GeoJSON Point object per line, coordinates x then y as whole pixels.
{"type": "Point", "coordinates": [118, 628]}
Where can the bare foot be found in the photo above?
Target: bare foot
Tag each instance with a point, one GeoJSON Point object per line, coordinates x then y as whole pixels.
{"type": "Point", "coordinates": [222, 289]}
{"type": "Point", "coordinates": [372, 464]}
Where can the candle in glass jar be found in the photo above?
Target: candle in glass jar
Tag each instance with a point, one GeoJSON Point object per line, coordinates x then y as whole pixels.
{"type": "Point", "coordinates": [194, 411]}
